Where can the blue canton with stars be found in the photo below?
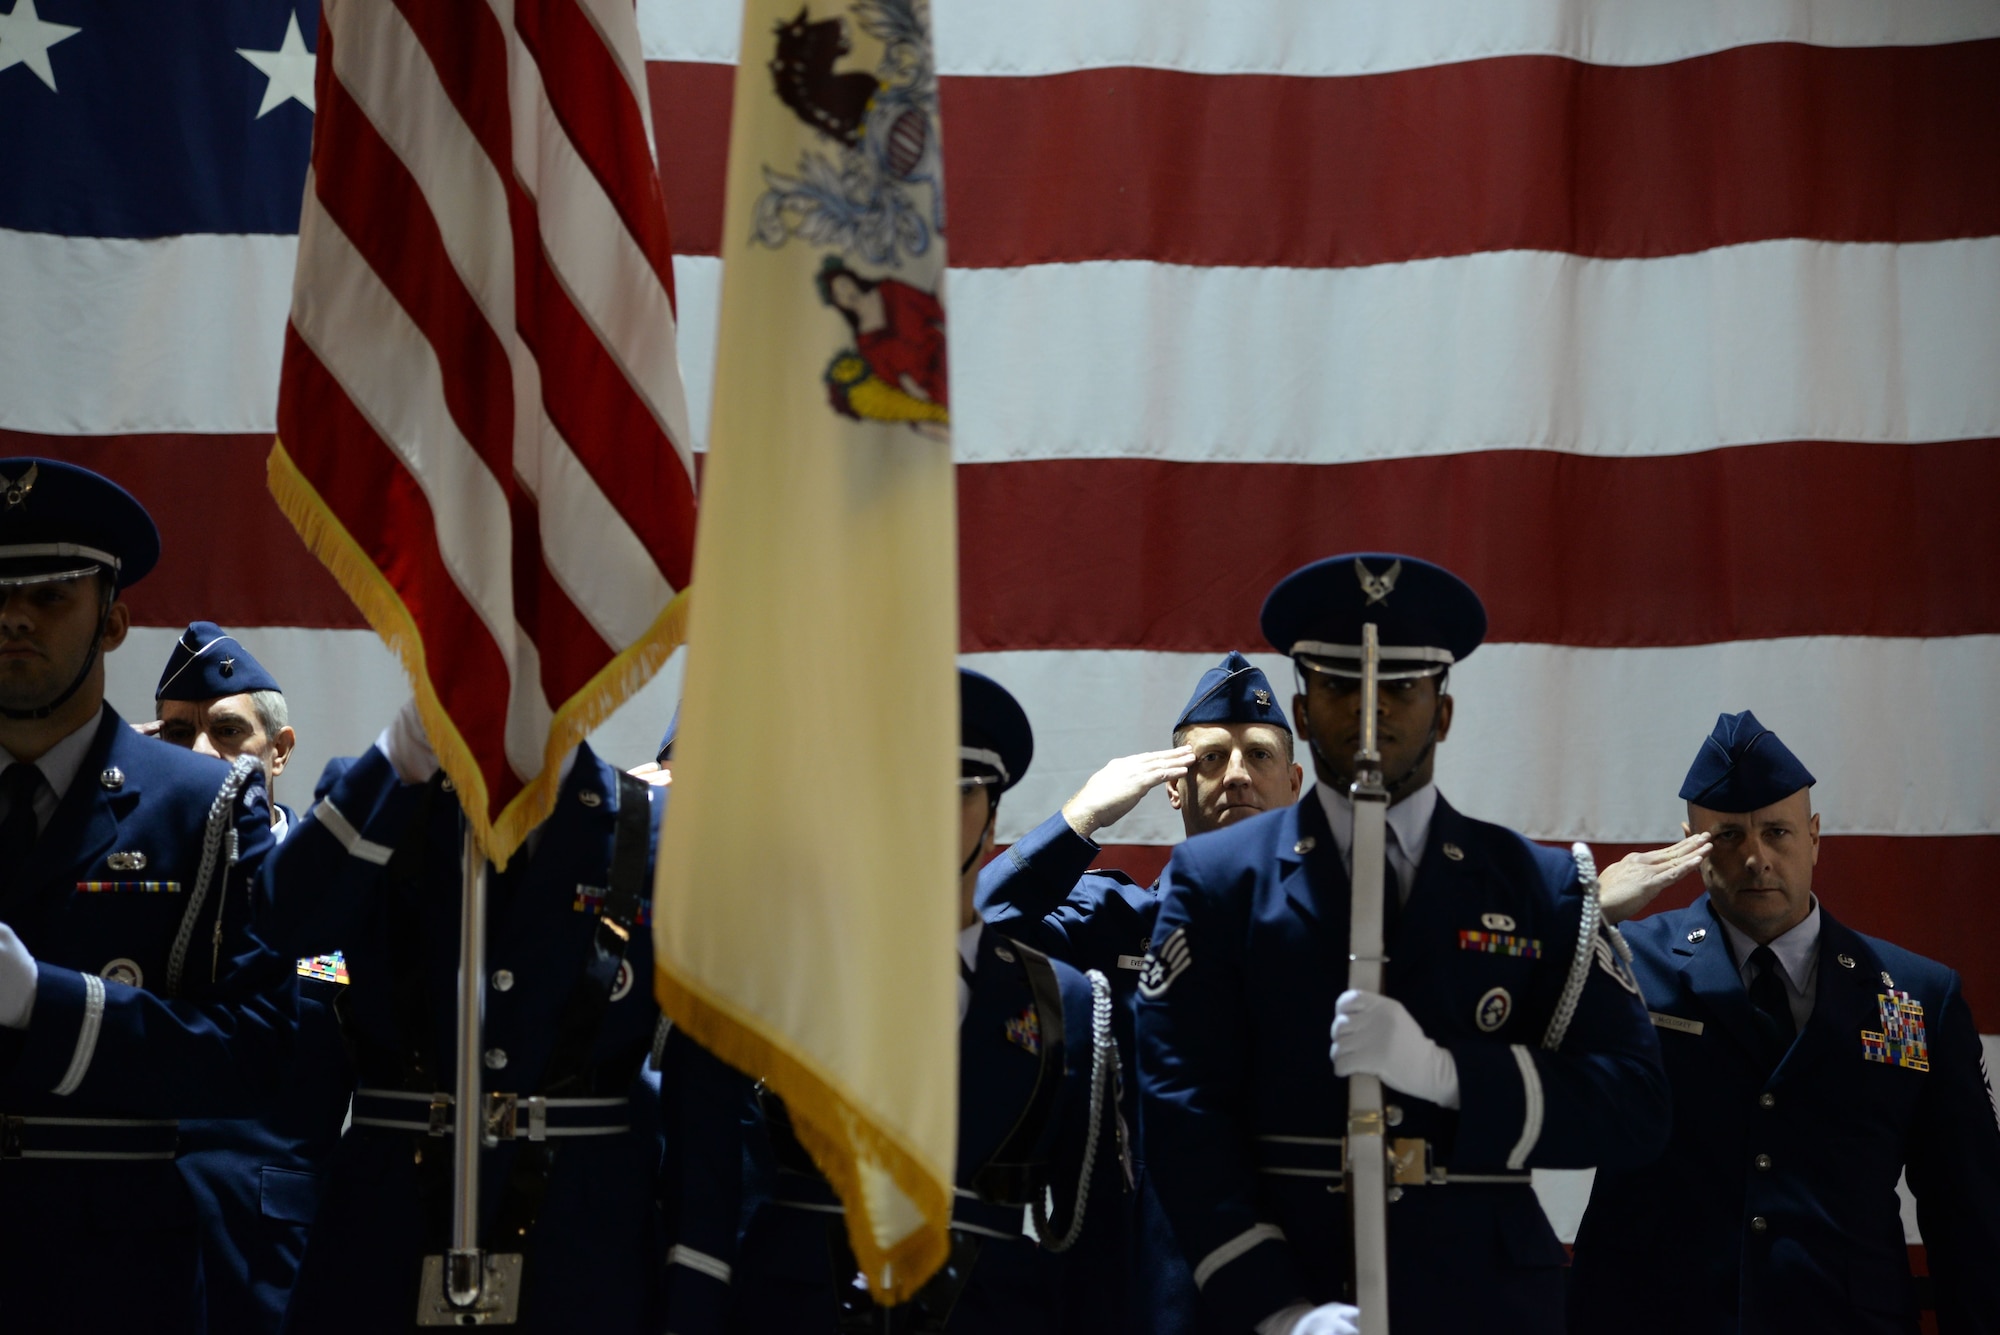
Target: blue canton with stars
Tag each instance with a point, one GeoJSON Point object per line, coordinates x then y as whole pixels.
{"type": "Point", "coordinates": [152, 127]}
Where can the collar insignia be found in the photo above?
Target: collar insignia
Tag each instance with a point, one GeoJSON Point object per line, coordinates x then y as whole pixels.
{"type": "Point", "coordinates": [17, 489]}
{"type": "Point", "coordinates": [1377, 587]}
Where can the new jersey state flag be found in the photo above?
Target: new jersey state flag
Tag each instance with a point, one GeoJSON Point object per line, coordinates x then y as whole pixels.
{"type": "Point", "coordinates": [806, 911]}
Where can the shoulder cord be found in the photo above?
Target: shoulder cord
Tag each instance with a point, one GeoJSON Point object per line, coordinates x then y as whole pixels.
{"type": "Point", "coordinates": [1103, 1070]}
{"type": "Point", "coordinates": [1579, 964]}
{"type": "Point", "coordinates": [221, 830]}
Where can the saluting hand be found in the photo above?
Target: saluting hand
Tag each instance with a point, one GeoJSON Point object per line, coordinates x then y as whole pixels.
{"type": "Point", "coordinates": [1299, 1319]}
{"type": "Point", "coordinates": [1636, 880]}
{"type": "Point", "coordinates": [1112, 792]}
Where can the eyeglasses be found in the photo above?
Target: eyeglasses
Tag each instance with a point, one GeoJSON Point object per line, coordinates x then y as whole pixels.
{"type": "Point", "coordinates": [968, 782]}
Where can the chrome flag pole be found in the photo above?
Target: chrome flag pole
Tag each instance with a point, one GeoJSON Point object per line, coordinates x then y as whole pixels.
{"type": "Point", "coordinates": [1367, 1159]}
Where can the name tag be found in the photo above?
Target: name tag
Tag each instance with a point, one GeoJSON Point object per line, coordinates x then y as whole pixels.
{"type": "Point", "coordinates": [1675, 1023]}
{"type": "Point", "coordinates": [1134, 962]}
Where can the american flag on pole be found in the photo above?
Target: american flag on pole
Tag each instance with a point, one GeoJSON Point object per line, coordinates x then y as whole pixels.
{"type": "Point", "coordinates": [481, 429]}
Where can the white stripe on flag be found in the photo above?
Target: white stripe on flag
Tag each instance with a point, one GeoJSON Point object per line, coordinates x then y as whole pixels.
{"type": "Point", "coordinates": [1332, 37]}
{"type": "Point", "coordinates": [1547, 740]}
{"type": "Point", "coordinates": [590, 549]}
{"type": "Point", "coordinates": [1783, 340]}
{"type": "Point", "coordinates": [113, 336]}
{"type": "Point", "coordinates": [1778, 341]}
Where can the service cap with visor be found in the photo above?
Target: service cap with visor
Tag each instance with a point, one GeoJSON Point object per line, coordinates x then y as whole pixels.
{"type": "Point", "coordinates": [1426, 618]}
{"type": "Point", "coordinates": [60, 522]}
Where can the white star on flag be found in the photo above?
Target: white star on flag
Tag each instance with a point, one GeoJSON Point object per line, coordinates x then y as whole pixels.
{"type": "Point", "coordinates": [289, 69]}
{"type": "Point", "coordinates": [25, 40]}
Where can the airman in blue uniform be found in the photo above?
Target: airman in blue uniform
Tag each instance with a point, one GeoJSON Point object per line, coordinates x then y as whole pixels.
{"type": "Point", "coordinates": [1036, 1060]}
{"type": "Point", "coordinates": [1511, 1035]}
{"type": "Point", "coordinates": [255, 1181]}
{"type": "Point", "coordinates": [1810, 1066]}
{"type": "Point", "coordinates": [135, 988]}
{"type": "Point", "coordinates": [1232, 758]}
{"type": "Point", "coordinates": [574, 1179]}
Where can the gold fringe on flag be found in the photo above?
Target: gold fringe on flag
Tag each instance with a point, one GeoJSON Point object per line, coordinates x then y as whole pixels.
{"type": "Point", "coordinates": [363, 581]}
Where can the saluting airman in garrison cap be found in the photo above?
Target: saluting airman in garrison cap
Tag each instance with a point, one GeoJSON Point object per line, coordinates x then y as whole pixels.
{"type": "Point", "coordinates": [1810, 1066]}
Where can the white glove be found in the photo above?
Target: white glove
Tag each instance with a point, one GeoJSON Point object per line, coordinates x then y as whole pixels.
{"type": "Point", "coordinates": [1110, 794]}
{"type": "Point", "coordinates": [1299, 1319]}
{"type": "Point", "coordinates": [17, 980]}
{"type": "Point", "coordinates": [1374, 1035]}
{"type": "Point", "coordinates": [408, 749]}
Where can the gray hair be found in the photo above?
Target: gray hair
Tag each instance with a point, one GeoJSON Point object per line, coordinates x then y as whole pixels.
{"type": "Point", "coordinates": [272, 714]}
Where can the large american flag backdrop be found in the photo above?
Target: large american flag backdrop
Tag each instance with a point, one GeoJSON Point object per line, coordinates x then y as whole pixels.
{"type": "Point", "coordinates": [1675, 329]}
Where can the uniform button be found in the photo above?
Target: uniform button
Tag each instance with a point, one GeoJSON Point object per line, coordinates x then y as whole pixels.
{"type": "Point", "coordinates": [1759, 1224]}
{"type": "Point", "coordinates": [503, 980]}
{"type": "Point", "coordinates": [1763, 1163]}
{"type": "Point", "coordinates": [495, 1058]}
{"type": "Point", "coordinates": [589, 798]}
{"type": "Point", "coordinates": [1393, 1114]}
{"type": "Point", "coordinates": [1767, 1100]}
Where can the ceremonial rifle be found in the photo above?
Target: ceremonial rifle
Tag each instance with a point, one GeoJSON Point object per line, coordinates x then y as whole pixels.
{"type": "Point", "coordinates": [1367, 1158]}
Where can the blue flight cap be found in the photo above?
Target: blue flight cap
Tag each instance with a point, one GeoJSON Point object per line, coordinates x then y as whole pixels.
{"type": "Point", "coordinates": [667, 741]}
{"type": "Point", "coordinates": [994, 739]}
{"type": "Point", "coordinates": [58, 521]}
{"type": "Point", "coordinates": [1233, 691]}
{"type": "Point", "coordinates": [208, 663]}
{"type": "Point", "coordinates": [1742, 766]}
{"type": "Point", "coordinates": [1426, 618]}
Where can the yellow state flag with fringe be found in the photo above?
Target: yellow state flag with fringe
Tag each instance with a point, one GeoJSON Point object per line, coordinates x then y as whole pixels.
{"type": "Point", "coordinates": [806, 907]}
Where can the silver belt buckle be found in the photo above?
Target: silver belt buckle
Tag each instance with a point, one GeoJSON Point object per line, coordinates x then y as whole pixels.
{"type": "Point", "coordinates": [503, 1117]}
{"type": "Point", "coordinates": [440, 1115]}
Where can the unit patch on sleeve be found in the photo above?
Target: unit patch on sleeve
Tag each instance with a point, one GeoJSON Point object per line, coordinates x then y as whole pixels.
{"type": "Point", "coordinates": [1500, 943]}
{"type": "Point", "coordinates": [1164, 965]}
{"type": "Point", "coordinates": [327, 968]}
{"type": "Point", "coordinates": [1901, 1041]}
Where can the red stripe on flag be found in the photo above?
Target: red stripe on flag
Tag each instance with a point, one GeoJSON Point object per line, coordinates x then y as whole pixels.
{"type": "Point", "coordinates": [1923, 894]}
{"type": "Point", "coordinates": [1755, 542]}
{"type": "Point", "coordinates": [1520, 152]}
{"type": "Point", "coordinates": [226, 553]}
{"type": "Point", "coordinates": [595, 107]}
{"type": "Point", "coordinates": [365, 485]}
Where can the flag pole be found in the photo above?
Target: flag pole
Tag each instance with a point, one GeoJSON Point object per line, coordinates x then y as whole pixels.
{"type": "Point", "coordinates": [1367, 1160]}
{"type": "Point", "coordinates": [468, 1286]}
{"type": "Point", "coordinates": [463, 1282]}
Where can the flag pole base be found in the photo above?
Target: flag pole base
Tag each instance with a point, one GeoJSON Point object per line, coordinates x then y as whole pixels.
{"type": "Point", "coordinates": [484, 1289]}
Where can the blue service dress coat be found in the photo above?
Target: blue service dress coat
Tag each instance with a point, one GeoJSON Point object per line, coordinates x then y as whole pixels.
{"type": "Point", "coordinates": [790, 1272]}
{"type": "Point", "coordinates": [117, 1049]}
{"type": "Point", "coordinates": [1041, 891]}
{"type": "Point", "coordinates": [256, 1181]}
{"type": "Point", "coordinates": [1243, 1113]}
{"type": "Point", "coordinates": [595, 1249]}
{"type": "Point", "coordinates": [1774, 1208]}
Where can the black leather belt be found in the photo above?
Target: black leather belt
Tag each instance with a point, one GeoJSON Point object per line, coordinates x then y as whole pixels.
{"type": "Point", "coordinates": [969, 1214]}
{"type": "Point", "coordinates": [508, 1116]}
{"type": "Point", "coordinates": [1325, 1158]}
{"type": "Point", "coordinates": [108, 1138]}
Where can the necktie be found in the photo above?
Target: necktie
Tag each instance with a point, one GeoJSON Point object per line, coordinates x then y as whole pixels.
{"type": "Point", "coordinates": [1767, 994]}
{"type": "Point", "coordinates": [18, 784]}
